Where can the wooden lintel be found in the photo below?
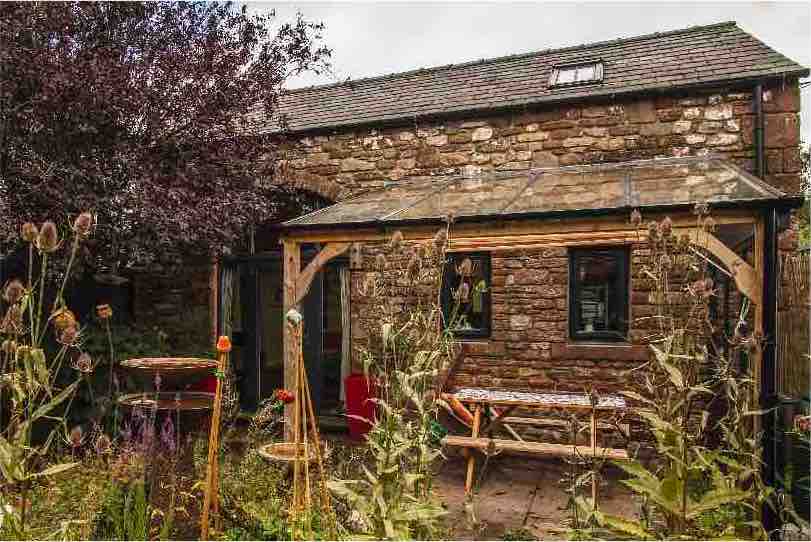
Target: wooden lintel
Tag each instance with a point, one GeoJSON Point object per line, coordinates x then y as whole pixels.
{"type": "Point", "coordinates": [745, 276]}
{"type": "Point", "coordinates": [473, 231]}
{"type": "Point", "coordinates": [305, 279]}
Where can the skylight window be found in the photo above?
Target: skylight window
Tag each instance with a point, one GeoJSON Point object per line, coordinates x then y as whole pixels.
{"type": "Point", "coordinates": [576, 74]}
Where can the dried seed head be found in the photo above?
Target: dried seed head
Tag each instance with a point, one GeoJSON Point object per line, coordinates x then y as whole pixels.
{"type": "Point", "coordinates": [104, 312]}
{"type": "Point", "coordinates": [13, 321]}
{"type": "Point", "coordinates": [9, 347]}
{"type": "Point", "coordinates": [701, 209]}
{"type": "Point", "coordinates": [465, 269]}
{"type": "Point", "coordinates": [653, 231]}
{"type": "Point", "coordinates": [63, 318]}
{"type": "Point", "coordinates": [708, 224]}
{"type": "Point", "coordinates": [413, 265]}
{"type": "Point", "coordinates": [29, 232]}
{"type": "Point", "coordinates": [69, 336]}
{"type": "Point", "coordinates": [684, 242]}
{"type": "Point", "coordinates": [103, 444]}
{"type": "Point", "coordinates": [440, 239]}
{"type": "Point", "coordinates": [380, 261]}
{"type": "Point", "coordinates": [666, 261]}
{"type": "Point", "coordinates": [84, 364]}
{"type": "Point", "coordinates": [463, 293]}
{"type": "Point", "coordinates": [13, 291]}
{"type": "Point", "coordinates": [742, 331]}
{"type": "Point", "coordinates": [788, 240]}
{"type": "Point", "coordinates": [83, 224]}
{"type": "Point", "coordinates": [666, 227]}
{"type": "Point", "coordinates": [636, 217]}
{"type": "Point", "coordinates": [76, 436]}
{"type": "Point", "coordinates": [396, 240]}
{"type": "Point", "coordinates": [48, 238]}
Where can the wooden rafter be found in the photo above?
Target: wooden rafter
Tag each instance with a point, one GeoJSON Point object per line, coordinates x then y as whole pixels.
{"type": "Point", "coordinates": [744, 275]}
{"type": "Point", "coordinates": [305, 278]}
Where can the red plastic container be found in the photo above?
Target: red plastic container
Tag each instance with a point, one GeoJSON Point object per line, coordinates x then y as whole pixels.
{"type": "Point", "coordinates": [207, 384]}
{"type": "Point", "coordinates": [358, 392]}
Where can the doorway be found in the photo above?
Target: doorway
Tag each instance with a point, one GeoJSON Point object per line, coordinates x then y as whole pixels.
{"type": "Point", "coordinates": [251, 312]}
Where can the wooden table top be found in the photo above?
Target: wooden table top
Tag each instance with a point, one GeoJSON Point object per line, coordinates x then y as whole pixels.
{"type": "Point", "coordinates": [530, 399]}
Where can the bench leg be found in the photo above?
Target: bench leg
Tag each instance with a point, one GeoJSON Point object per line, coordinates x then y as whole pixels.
{"type": "Point", "coordinates": [471, 460]}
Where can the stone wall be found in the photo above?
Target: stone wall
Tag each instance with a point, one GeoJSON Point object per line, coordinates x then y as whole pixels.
{"type": "Point", "coordinates": [338, 164]}
{"type": "Point", "coordinates": [528, 348]}
{"type": "Point", "coordinates": [175, 298]}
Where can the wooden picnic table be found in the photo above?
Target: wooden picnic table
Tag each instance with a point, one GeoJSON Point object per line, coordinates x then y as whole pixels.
{"type": "Point", "coordinates": [499, 404]}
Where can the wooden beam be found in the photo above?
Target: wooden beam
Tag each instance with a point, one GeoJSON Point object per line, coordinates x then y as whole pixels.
{"type": "Point", "coordinates": [503, 228]}
{"type": "Point", "coordinates": [746, 277]}
{"type": "Point", "coordinates": [305, 278]}
{"type": "Point", "coordinates": [291, 263]}
{"type": "Point", "coordinates": [536, 448]}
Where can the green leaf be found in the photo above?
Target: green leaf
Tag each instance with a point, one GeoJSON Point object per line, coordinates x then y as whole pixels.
{"type": "Point", "coordinates": [622, 525]}
{"type": "Point", "coordinates": [715, 499]}
{"type": "Point", "coordinates": [54, 469]}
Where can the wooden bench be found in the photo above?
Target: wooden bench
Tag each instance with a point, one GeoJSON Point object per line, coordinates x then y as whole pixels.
{"type": "Point", "coordinates": [501, 403]}
{"type": "Point", "coordinates": [535, 448]}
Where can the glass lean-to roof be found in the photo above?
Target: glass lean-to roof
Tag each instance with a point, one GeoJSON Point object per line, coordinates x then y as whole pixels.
{"type": "Point", "coordinates": [659, 182]}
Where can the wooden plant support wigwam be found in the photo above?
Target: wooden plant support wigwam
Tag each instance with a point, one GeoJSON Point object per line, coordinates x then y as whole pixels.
{"type": "Point", "coordinates": [306, 445]}
{"type": "Point", "coordinates": [211, 498]}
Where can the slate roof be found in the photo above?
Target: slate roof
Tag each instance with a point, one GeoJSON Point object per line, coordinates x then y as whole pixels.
{"type": "Point", "coordinates": [668, 60]}
{"type": "Point", "coordinates": [607, 188]}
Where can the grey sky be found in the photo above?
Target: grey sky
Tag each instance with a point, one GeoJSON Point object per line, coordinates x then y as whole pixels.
{"type": "Point", "coordinates": [377, 38]}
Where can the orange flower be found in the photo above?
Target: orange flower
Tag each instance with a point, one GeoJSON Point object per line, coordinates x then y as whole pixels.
{"type": "Point", "coordinates": [223, 344]}
{"type": "Point", "coordinates": [104, 312]}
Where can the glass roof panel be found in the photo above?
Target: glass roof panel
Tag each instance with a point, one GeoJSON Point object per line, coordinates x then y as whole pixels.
{"type": "Point", "coordinates": [657, 182]}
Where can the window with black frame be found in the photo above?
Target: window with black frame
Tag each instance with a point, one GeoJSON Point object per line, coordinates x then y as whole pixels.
{"type": "Point", "coordinates": [466, 294]}
{"type": "Point", "coordinates": [598, 294]}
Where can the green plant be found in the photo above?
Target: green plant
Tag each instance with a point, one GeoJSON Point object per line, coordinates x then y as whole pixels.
{"type": "Point", "coordinates": [30, 381]}
{"type": "Point", "coordinates": [125, 513]}
{"type": "Point", "coordinates": [693, 488]}
{"type": "Point", "coordinates": [407, 349]}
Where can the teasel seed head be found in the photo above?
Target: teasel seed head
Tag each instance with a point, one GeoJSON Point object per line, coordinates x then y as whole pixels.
{"type": "Point", "coordinates": [653, 231]}
{"type": "Point", "coordinates": [465, 269]}
{"type": "Point", "coordinates": [83, 224]}
{"type": "Point", "coordinates": [104, 312]}
{"type": "Point", "coordinates": [103, 444]}
{"type": "Point", "coordinates": [636, 218]}
{"type": "Point", "coordinates": [440, 239]}
{"type": "Point", "coordinates": [13, 291]}
{"type": "Point", "coordinates": [69, 336]}
{"type": "Point", "coordinates": [48, 238]}
{"type": "Point", "coordinates": [29, 232]}
{"type": "Point", "coordinates": [63, 318]}
{"type": "Point", "coordinates": [666, 227]}
{"type": "Point", "coordinates": [13, 321]}
{"type": "Point", "coordinates": [396, 240]}
{"type": "Point", "coordinates": [380, 261]}
{"type": "Point", "coordinates": [463, 293]}
{"type": "Point", "coordinates": [413, 265]}
{"type": "Point", "coordinates": [84, 363]}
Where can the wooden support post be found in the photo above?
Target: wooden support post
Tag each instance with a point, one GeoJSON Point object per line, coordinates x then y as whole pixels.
{"type": "Point", "coordinates": [291, 269]}
{"type": "Point", "coordinates": [471, 461]}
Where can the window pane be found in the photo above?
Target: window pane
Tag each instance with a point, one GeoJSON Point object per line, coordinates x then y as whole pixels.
{"type": "Point", "coordinates": [466, 294]}
{"type": "Point", "coordinates": [585, 73]}
{"type": "Point", "coordinates": [566, 75]}
{"type": "Point", "coordinates": [599, 295]}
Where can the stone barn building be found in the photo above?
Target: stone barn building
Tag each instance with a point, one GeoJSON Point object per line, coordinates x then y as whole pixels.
{"type": "Point", "coordinates": [709, 91]}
